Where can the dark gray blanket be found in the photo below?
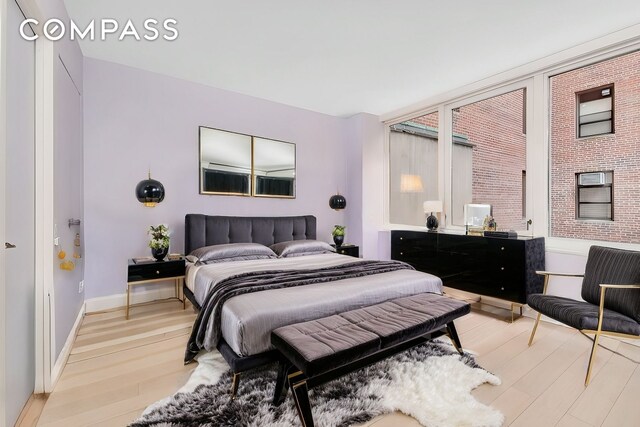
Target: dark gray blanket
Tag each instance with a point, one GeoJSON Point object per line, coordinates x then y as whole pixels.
{"type": "Point", "coordinates": [206, 332]}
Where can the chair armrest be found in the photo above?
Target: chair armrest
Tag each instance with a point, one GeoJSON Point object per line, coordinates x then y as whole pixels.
{"type": "Point", "coordinates": [549, 273]}
{"type": "Point", "coordinates": [603, 289]}
{"type": "Point", "coordinates": [619, 286]}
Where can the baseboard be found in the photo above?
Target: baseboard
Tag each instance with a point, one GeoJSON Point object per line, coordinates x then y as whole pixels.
{"type": "Point", "coordinates": [110, 302]}
{"type": "Point", "coordinates": [66, 350]}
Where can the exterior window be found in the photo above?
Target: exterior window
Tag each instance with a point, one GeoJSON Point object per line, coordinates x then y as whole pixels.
{"type": "Point", "coordinates": [489, 159]}
{"type": "Point", "coordinates": [595, 111]}
{"type": "Point", "coordinates": [594, 195]}
{"type": "Point", "coordinates": [413, 168]}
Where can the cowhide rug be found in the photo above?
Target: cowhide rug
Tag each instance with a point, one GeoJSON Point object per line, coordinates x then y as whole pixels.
{"type": "Point", "coordinates": [431, 383]}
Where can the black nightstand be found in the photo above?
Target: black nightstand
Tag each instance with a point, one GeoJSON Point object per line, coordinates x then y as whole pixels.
{"type": "Point", "coordinates": [351, 250]}
{"type": "Point", "coordinates": [146, 272]}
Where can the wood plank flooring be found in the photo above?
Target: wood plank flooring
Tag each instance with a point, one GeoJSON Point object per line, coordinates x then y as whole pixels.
{"type": "Point", "coordinates": [118, 367]}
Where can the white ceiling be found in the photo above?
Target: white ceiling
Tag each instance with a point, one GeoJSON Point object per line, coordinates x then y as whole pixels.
{"type": "Point", "coordinates": [342, 57]}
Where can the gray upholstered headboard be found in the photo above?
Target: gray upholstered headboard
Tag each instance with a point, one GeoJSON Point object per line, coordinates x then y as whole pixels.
{"type": "Point", "coordinates": [205, 230]}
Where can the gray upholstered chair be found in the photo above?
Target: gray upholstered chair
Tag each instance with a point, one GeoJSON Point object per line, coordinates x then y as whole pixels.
{"type": "Point", "coordinates": [615, 272]}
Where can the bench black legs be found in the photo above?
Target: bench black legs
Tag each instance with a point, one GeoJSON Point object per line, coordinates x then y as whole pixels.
{"type": "Point", "coordinates": [282, 382]}
{"type": "Point", "coordinates": [453, 334]}
{"type": "Point", "coordinates": [301, 396]}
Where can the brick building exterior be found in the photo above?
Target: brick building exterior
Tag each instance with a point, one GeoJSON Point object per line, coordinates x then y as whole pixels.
{"type": "Point", "coordinates": [619, 152]}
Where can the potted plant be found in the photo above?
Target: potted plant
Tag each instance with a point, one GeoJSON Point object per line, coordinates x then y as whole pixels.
{"type": "Point", "coordinates": [159, 242]}
{"type": "Point", "coordinates": [338, 235]}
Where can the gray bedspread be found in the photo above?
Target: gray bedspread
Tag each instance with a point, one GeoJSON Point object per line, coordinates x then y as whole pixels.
{"type": "Point", "coordinates": [247, 320]}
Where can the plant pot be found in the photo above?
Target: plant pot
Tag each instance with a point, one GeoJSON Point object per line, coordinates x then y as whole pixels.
{"type": "Point", "coordinates": [338, 240]}
{"type": "Point", "coordinates": [159, 253]}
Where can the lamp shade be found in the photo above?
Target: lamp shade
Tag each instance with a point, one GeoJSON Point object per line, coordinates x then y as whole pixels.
{"type": "Point", "coordinates": [337, 202]}
{"type": "Point", "coordinates": [150, 192]}
{"type": "Point", "coordinates": [432, 206]}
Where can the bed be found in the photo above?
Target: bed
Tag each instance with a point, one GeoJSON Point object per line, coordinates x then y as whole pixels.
{"type": "Point", "coordinates": [246, 320]}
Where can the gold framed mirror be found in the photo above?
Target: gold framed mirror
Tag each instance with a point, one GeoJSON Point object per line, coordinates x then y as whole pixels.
{"type": "Point", "coordinates": [236, 164]}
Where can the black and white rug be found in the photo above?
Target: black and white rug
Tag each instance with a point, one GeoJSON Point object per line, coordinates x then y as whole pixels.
{"type": "Point", "coordinates": [431, 383]}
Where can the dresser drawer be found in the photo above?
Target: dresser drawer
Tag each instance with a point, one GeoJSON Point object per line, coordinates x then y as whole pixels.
{"type": "Point", "coordinates": [155, 270]}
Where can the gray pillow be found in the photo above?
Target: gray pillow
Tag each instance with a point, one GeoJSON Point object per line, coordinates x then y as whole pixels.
{"type": "Point", "coordinates": [301, 247]}
{"type": "Point", "coordinates": [231, 252]}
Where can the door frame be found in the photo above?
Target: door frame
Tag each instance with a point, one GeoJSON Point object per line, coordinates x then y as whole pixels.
{"type": "Point", "coordinates": [3, 145]}
{"type": "Point", "coordinates": [44, 291]}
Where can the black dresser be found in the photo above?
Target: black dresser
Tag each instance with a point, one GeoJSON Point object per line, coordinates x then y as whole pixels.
{"type": "Point", "coordinates": [490, 266]}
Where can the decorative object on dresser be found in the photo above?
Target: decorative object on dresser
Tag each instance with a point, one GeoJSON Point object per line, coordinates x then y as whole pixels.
{"type": "Point", "coordinates": [431, 206]}
{"type": "Point", "coordinates": [409, 382]}
{"type": "Point", "coordinates": [337, 202]}
{"type": "Point", "coordinates": [615, 272]}
{"type": "Point", "coordinates": [348, 249]}
{"type": "Point", "coordinates": [145, 272]}
{"type": "Point", "coordinates": [474, 216]}
{"type": "Point", "coordinates": [338, 235]}
{"type": "Point", "coordinates": [150, 192]}
{"type": "Point", "coordinates": [487, 266]}
{"type": "Point", "coordinates": [159, 242]}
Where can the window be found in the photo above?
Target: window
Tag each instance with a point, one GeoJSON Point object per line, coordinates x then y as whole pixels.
{"type": "Point", "coordinates": [595, 111]}
{"type": "Point", "coordinates": [594, 195]}
{"type": "Point", "coordinates": [413, 168]}
{"type": "Point", "coordinates": [593, 182]}
{"type": "Point", "coordinates": [489, 160]}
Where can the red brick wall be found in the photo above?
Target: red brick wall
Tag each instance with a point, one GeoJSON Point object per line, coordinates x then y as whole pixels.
{"type": "Point", "coordinates": [495, 126]}
{"type": "Point", "coordinates": [619, 152]}
{"type": "Point", "coordinates": [430, 120]}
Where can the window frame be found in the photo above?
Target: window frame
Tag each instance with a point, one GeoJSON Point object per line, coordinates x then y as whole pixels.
{"type": "Point", "coordinates": [611, 197]}
{"type": "Point", "coordinates": [523, 84]}
{"type": "Point", "coordinates": [613, 109]}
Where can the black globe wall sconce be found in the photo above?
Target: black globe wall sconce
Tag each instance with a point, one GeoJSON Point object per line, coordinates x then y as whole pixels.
{"type": "Point", "coordinates": [150, 192]}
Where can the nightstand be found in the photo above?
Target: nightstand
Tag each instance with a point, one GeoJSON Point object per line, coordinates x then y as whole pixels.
{"type": "Point", "coordinates": [153, 272]}
{"type": "Point", "coordinates": [351, 250]}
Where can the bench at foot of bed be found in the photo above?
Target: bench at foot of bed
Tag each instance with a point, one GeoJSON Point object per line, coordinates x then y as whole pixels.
{"type": "Point", "coordinates": [321, 350]}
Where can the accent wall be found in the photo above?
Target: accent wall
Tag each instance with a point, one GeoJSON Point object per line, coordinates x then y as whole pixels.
{"type": "Point", "coordinates": [136, 121]}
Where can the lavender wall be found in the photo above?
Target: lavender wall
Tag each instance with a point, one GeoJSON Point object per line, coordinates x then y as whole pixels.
{"type": "Point", "coordinates": [135, 120]}
{"type": "Point", "coordinates": [68, 188]}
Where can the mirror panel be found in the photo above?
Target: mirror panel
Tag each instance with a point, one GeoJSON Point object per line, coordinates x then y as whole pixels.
{"type": "Point", "coordinates": [274, 168]}
{"type": "Point", "coordinates": [225, 162]}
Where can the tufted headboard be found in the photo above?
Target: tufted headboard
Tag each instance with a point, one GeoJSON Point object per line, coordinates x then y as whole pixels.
{"type": "Point", "coordinates": [205, 230]}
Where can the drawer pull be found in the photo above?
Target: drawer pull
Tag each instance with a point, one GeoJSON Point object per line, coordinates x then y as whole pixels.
{"type": "Point", "coordinates": [502, 288]}
{"type": "Point", "coordinates": [157, 271]}
{"type": "Point", "coordinates": [502, 248]}
{"type": "Point", "coordinates": [401, 253]}
{"type": "Point", "coordinates": [401, 238]}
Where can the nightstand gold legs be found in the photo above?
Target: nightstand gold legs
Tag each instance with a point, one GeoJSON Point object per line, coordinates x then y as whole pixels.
{"type": "Point", "coordinates": [177, 282]}
{"type": "Point", "coordinates": [127, 310]}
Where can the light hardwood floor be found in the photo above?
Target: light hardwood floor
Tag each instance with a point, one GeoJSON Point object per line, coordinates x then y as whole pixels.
{"type": "Point", "coordinates": [118, 367]}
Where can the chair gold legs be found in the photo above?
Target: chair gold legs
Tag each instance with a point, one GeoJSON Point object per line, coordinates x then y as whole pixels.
{"type": "Point", "coordinates": [592, 358]}
{"type": "Point", "coordinates": [535, 326]}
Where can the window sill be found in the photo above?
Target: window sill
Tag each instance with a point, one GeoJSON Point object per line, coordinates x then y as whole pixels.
{"type": "Point", "coordinates": [585, 138]}
{"type": "Point", "coordinates": [581, 247]}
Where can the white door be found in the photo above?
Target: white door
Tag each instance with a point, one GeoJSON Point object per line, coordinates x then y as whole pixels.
{"type": "Point", "coordinates": [19, 217]}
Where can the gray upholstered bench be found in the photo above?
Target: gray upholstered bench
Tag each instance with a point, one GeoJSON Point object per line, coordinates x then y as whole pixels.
{"type": "Point", "coordinates": [324, 349]}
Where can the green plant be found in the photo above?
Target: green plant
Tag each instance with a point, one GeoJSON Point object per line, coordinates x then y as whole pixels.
{"type": "Point", "coordinates": [338, 230]}
{"type": "Point", "coordinates": [159, 237]}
